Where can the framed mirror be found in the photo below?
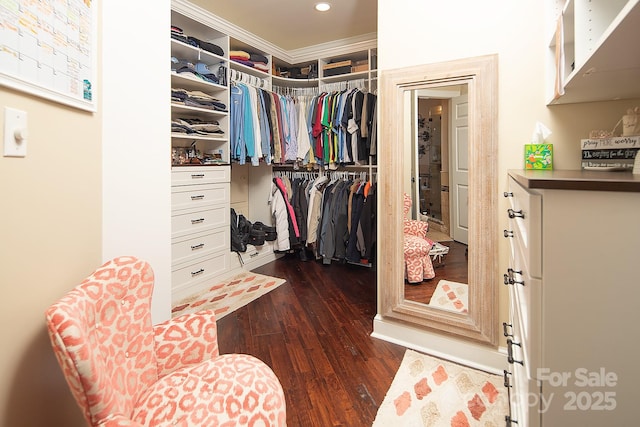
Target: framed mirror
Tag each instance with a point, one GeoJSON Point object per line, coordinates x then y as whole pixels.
{"type": "Point", "coordinates": [475, 81]}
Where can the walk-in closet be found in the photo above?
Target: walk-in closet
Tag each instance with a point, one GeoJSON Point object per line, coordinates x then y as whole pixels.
{"type": "Point", "coordinates": [252, 123]}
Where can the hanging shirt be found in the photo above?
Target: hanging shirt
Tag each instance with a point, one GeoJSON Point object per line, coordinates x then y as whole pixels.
{"type": "Point", "coordinates": [304, 143]}
{"type": "Point", "coordinates": [238, 151]}
{"type": "Point", "coordinates": [265, 133]}
{"type": "Point", "coordinates": [255, 152]}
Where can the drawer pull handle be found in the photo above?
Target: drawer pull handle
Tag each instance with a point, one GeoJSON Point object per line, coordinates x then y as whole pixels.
{"type": "Point", "coordinates": [509, 194]}
{"type": "Point", "coordinates": [508, 277]}
{"type": "Point", "coordinates": [197, 221]}
{"type": "Point", "coordinates": [508, 233]}
{"type": "Point", "coordinates": [197, 273]}
{"type": "Point", "coordinates": [515, 214]}
{"type": "Point", "coordinates": [198, 197]}
{"type": "Point", "coordinates": [510, 359]}
{"type": "Point", "coordinates": [196, 247]}
{"type": "Point", "coordinates": [505, 375]}
{"type": "Point", "coordinates": [197, 175]}
{"type": "Point", "coordinates": [509, 422]}
{"type": "Point", "coordinates": [509, 280]}
{"type": "Point", "coordinates": [506, 333]}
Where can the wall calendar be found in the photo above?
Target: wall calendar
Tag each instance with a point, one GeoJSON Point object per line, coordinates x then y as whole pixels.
{"type": "Point", "coordinates": [49, 48]}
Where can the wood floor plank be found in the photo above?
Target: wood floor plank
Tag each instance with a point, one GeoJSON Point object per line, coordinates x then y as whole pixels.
{"type": "Point", "coordinates": [315, 333]}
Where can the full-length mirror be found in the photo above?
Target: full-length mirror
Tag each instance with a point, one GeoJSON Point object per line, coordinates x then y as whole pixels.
{"type": "Point", "coordinates": [439, 124]}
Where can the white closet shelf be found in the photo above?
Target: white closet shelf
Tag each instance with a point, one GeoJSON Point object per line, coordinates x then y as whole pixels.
{"type": "Point", "coordinates": [187, 108]}
{"type": "Point", "coordinates": [190, 136]}
{"type": "Point", "coordinates": [249, 70]}
{"type": "Point", "coordinates": [277, 80]}
{"type": "Point", "coordinates": [191, 53]}
{"type": "Point", "coordinates": [612, 69]}
{"type": "Point", "coordinates": [188, 83]}
{"type": "Point", "coordinates": [346, 76]}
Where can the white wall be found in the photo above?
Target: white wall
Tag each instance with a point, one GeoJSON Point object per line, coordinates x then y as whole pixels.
{"type": "Point", "coordinates": [412, 32]}
{"type": "Point", "coordinates": [136, 143]}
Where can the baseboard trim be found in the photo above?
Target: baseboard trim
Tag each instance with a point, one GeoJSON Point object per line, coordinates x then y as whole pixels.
{"type": "Point", "coordinates": [445, 347]}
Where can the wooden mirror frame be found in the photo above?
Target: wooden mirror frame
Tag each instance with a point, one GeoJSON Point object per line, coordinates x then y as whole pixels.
{"type": "Point", "coordinates": [481, 74]}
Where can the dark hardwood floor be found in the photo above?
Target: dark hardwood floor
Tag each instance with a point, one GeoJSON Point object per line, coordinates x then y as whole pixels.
{"type": "Point", "coordinates": [314, 331]}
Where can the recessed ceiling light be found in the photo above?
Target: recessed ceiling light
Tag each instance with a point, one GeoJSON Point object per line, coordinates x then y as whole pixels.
{"type": "Point", "coordinates": [322, 7]}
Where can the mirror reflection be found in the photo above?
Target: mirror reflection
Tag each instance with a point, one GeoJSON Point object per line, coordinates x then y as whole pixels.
{"type": "Point", "coordinates": [470, 151]}
{"type": "Point", "coordinates": [437, 183]}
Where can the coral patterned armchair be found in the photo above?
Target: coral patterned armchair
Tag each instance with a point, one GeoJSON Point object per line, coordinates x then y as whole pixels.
{"type": "Point", "coordinates": [123, 371]}
{"type": "Point", "coordinates": [418, 266]}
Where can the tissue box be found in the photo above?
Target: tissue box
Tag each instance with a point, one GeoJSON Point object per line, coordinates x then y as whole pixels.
{"type": "Point", "coordinates": [538, 156]}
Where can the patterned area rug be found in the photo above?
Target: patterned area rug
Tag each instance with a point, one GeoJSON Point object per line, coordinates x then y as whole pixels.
{"type": "Point", "coordinates": [227, 296]}
{"type": "Point", "coordinates": [430, 392]}
{"type": "Point", "coordinates": [450, 296]}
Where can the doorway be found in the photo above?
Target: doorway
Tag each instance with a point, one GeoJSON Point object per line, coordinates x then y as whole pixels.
{"type": "Point", "coordinates": [433, 163]}
{"type": "Point", "coordinates": [441, 161]}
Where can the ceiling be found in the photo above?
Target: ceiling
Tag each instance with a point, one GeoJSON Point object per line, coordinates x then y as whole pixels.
{"type": "Point", "coordinates": [295, 24]}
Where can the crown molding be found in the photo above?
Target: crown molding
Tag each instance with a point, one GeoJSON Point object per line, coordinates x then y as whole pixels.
{"type": "Point", "coordinates": [295, 56]}
{"type": "Point", "coordinates": [333, 48]}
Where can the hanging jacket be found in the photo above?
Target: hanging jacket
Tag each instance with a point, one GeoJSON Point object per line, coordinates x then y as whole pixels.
{"type": "Point", "coordinates": [280, 219]}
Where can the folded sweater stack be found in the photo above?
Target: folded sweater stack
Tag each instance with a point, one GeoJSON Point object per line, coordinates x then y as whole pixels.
{"type": "Point", "coordinates": [253, 60]}
{"type": "Point", "coordinates": [196, 98]}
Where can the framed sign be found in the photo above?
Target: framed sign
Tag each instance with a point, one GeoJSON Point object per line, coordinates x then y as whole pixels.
{"type": "Point", "coordinates": [49, 48]}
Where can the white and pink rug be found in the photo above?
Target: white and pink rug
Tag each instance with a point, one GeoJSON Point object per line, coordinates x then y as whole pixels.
{"type": "Point", "coordinates": [228, 295]}
{"type": "Point", "coordinates": [450, 295]}
{"type": "Point", "coordinates": [431, 392]}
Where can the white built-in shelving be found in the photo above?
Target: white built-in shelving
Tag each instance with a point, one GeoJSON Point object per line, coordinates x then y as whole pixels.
{"type": "Point", "coordinates": [598, 40]}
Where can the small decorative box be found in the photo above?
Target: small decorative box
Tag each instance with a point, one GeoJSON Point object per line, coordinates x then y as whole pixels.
{"type": "Point", "coordinates": [538, 156]}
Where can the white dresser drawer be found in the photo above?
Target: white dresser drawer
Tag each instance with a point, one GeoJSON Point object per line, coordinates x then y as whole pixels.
{"type": "Point", "coordinates": [197, 220]}
{"type": "Point", "coordinates": [200, 175]}
{"type": "Point", "coordinates": [191, 196]}
{"type": "Point", "coordinates": [185, 275]}
{"type": "Point", "coordinates": [200, 244]}
{"type": "Point", "coordinates": [521, 388]}
{"type": "Point", "coordinates": [525, 221]}
{"type": "Point", "coordinates": [525, 406]}
{"type": "Point", "coordinates": [525, 298]}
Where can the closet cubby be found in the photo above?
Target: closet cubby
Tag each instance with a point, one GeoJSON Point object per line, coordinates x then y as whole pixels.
{"type": "Point", "coordinates": [303, 74]}
{"type": "Point", "coordinates": [597, 64]}
{"type": "Point", "coordinates": [348, 66]}
{"type": "Point", "coordinates": [185, 145]}
{"type": "Point", "coordinates": [256, 69]}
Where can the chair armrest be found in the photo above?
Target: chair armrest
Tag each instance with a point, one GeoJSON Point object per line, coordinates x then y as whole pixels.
{"type": "Point", "coordinates": [415, 227]}
{"type": "Point", "coordinates": [118, 420]}
{"type": "Point", "coordinates": [185, 340]}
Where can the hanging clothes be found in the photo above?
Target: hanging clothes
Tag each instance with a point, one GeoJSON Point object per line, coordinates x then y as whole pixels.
{"type": "Point", "coordinates": [280, 215]}
{"type": "Point", "coordinates": [329, 129]}
{"type": "Point", "coordinates": [336, 217]}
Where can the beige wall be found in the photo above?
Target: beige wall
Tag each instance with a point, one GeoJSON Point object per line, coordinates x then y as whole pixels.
{"type": "Point", "coordinates": [516, 31]}
{"type": "Point", "coordinates": [92, 186]}
{"type": "Point", "coordinates": [50, 238]}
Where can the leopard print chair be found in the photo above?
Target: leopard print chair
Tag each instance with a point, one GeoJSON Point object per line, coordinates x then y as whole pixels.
{"type": "Point", "coordinates": [123, 371]}
{"type": "Point", "coordinates": [418, 266]}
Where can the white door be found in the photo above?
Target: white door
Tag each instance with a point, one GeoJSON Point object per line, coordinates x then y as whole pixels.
{"type": "Point", "coordinates": [459, 175]}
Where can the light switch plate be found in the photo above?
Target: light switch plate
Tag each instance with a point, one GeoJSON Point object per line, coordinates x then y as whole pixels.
{"type": "Point", "coordinates": [15, 132]}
